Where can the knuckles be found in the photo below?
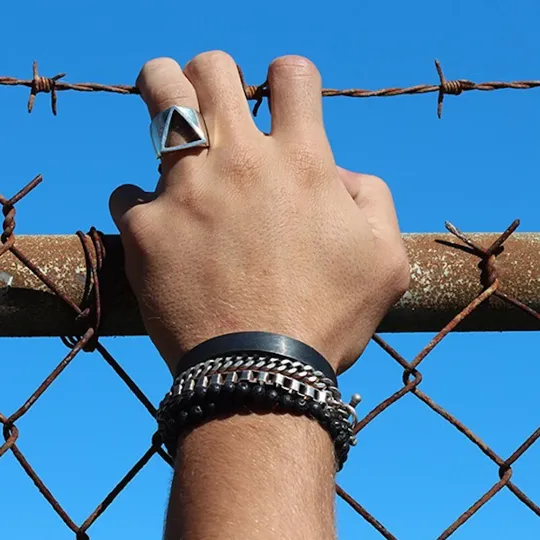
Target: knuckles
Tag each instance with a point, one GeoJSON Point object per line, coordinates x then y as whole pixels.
{"type": "Point", "coordinates": [242, 161]}
{"type": "Point", "coordinates": [306, 160]}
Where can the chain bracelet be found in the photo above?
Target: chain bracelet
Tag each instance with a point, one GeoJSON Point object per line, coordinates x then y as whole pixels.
{"type": "Point", "coordinates": [295, 369]}
{"type": "Point", "coordinates": [293, 376]}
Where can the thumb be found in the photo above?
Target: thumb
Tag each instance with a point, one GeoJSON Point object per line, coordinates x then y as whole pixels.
{"type": "Point", "coordinates": [124, 199]}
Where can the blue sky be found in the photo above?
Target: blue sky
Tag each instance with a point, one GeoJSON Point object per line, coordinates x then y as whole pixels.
{"type": "Point", "coordinates": [478, 168]}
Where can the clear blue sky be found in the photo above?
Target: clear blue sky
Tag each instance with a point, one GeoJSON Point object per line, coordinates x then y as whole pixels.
{"type": "Point", "coordinates": [478, 167]}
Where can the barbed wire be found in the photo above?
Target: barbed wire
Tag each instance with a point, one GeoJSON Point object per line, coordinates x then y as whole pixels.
{"type": "Point", "coordinates": [39, 84]}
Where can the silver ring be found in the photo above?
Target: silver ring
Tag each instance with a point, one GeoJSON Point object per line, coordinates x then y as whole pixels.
{"type": "Point", "coordinates": [178, 128]}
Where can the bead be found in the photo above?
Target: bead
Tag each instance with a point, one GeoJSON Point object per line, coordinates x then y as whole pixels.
{"type": "Point", "coordinates": [243, 389]}
{"type": "Point", "coordinates": [286, 401]}
{"type": "Point", "coordinates": [342, 450]}
{"type": "Point", "coordinates": [242, 393]}
{"type": "Point", "coordinates": [342, 437]}
{"type": "Point", "coordinates": [300, 405]}
{"type": "Point", "coordinates": [325, 418]}
{"type": "Point", "coordinates": [343, 455]}
{"type": "Point", "coordinates": [181, 418]}
{"type": "Point", "coordinates": [314, 409]}
{"type": "Point", "coordinates": [335, 428]}
{"type": "Point", "coordinates": [214, 389]}
{"type": "Point", "coordinates": [196, 412]}
{"type": "Point", "coordinates": [200, 392]}
{"type": "Point", "coordinates": [259, 393]}
{"type": "Point", "coordinates": [210, 408]}
{"type": "Point", "coordinates": [273, 395]}
{"type": "Point", "coordinates": [228, 388]}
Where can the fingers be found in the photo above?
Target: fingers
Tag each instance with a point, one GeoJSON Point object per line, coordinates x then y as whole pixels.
{"type": "Point", "coordinates": [222, 100]}
{"type": "Point", "coordinates": [162, 85]}
{"type": "Point", "coordinates": [295, 98]}
{"type": "Point", "coordinates": [374, 199]}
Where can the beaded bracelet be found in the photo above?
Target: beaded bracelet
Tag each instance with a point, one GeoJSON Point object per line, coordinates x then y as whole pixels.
{"type": "Point", "coordinates": [246, 383]}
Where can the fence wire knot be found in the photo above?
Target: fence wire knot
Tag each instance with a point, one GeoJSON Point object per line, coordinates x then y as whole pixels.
{"type": "Point", "coordinates": [490, 270]}
{"type": "Point", "coordinates": [257, 93]}
{"type": "Point", "coordinates": [8, 226]}
{"type": "Point", "coordinates": [90, 316]}
{"type": "Point", "coordinates": [7, 239]}
{"type": "Point", "coordinates": [488, 256]}
{"type": "Point", "coordinates": [43, 84]}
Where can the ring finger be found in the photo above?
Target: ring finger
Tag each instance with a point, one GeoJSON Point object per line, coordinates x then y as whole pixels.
{"type": "Point", "coordinates": [163, 84]}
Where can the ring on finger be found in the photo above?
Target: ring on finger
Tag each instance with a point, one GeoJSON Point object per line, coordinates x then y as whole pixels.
{"type": "Point", "coordinates": [178, 128]}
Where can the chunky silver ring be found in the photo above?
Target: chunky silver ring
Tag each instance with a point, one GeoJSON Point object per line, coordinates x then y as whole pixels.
{"type": "Point", "coordinates": [178, 128]}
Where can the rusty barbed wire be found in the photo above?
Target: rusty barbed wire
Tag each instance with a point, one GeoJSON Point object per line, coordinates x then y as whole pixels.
{"type": "Point", "coordinates": [53, 85]}
{"type": "Point", "coordinates": [89, 315]}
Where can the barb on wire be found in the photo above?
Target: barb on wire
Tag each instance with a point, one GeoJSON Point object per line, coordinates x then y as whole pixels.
{"type": "Point", "coordinates": [445, 87]}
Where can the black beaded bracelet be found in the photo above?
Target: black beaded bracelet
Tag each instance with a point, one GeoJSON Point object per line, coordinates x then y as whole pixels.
{"type": "Point", "coordinates": [182, 413]}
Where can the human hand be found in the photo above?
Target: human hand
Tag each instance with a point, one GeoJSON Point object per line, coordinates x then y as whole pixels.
{"type": "Point", "coordinates": [257, 232]}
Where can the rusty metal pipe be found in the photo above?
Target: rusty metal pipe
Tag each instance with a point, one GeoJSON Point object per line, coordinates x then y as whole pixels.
{"type": "Point", "coordinates": [445, 278]}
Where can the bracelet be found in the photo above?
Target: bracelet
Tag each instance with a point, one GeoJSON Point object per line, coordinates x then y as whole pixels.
{"type": "Point", "coordinates": [258, 342]}
{"type": "Point", "coordinates": [178, 417]}
{"type": "Point", "coordinates": [255, 382]}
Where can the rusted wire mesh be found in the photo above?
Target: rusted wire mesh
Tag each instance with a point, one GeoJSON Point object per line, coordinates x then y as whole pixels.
{"type": "Point", "coordinates": [88, 318]}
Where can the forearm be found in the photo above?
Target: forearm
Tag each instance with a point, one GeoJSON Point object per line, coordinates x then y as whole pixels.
{"type": "Point", "coordinates": [254, 477]}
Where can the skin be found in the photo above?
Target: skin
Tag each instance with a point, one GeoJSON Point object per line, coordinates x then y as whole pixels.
{"type": "Point", "coordinates": [258, 232]}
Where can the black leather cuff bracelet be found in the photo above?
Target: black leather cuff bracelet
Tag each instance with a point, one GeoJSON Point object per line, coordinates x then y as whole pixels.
{"type": "Point", "coordinates": [257, 343]}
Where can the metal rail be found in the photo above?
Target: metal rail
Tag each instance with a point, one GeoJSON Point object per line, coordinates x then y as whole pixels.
{"type": "Point", "coordinates": [446, 277]}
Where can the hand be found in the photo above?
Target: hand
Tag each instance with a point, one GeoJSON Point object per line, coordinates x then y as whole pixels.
{"type": "Point", "coordinates": [258, 232]}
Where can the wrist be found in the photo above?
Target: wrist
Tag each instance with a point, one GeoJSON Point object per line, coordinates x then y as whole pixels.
{"type": "Point", "coordinates": [291, 457]}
